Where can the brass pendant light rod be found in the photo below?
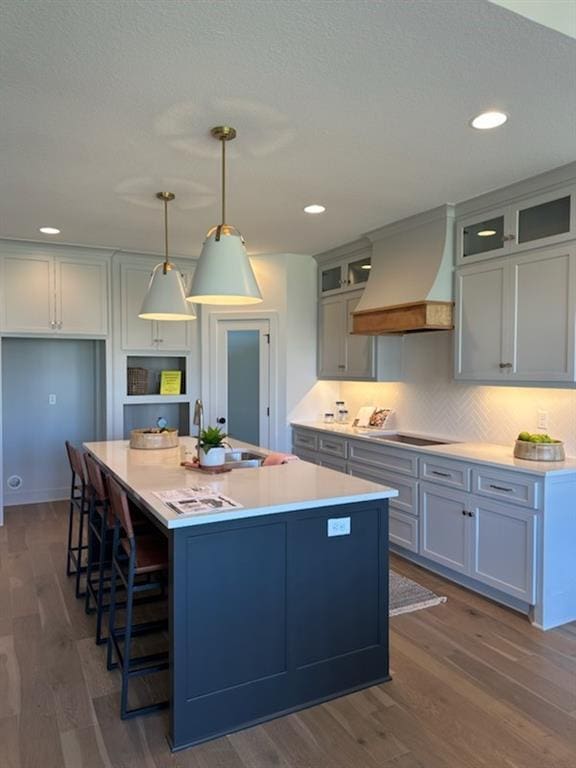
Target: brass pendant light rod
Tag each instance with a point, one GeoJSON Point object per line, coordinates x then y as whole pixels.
{"type": "Point", "coordinates": [223, 133]}
{"type": "Point", "coordinates": [166, 197]}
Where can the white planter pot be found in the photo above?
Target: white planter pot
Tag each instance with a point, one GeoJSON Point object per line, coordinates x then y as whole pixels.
{"type": "Point", "coordinates": [214, 458]}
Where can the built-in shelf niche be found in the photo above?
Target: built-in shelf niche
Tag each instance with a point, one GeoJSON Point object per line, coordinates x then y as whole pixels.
{"type": "Point", "coordinates": [143, 415]}
{"type": "Point", "coordinates": [154, 366]}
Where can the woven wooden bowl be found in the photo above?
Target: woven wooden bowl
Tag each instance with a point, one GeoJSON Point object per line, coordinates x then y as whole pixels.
{"type": "Point", "coordinates": [152, 439]}
{"type": "Point", "coordinates": [539, 451]}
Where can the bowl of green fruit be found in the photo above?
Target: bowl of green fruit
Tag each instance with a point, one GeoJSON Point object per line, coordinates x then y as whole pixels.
{"type": "Point", "coordinates": [538, 447]}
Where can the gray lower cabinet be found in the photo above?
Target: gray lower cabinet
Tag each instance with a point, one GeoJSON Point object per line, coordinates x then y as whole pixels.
{"type": "Point", "coordinates": [488, 541]}
{"type": "Point", "coordinates": [444, 527]}
{"type": "Point", "coordinates": [504, 548]}
{"type": "Point", "coordinates": [477, 521]}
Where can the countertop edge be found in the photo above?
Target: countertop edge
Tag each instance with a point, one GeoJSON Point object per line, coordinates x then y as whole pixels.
{"type": "Point", "coordinates": [444, 451]}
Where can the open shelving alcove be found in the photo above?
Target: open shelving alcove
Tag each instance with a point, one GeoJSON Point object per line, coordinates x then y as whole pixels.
{"type": "Point", "coordinates": [144, 410]}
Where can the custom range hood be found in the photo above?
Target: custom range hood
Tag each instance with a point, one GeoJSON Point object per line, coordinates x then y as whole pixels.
{"type": "Point", "coordinates": [410, 285]}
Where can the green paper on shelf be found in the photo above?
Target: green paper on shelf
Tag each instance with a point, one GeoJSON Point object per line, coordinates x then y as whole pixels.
{"type": "Point", "coordinates": [170, 382]}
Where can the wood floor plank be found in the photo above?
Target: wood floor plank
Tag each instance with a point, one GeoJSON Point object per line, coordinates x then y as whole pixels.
{"type": "Point", "coordinates": [10, 684]}
{"type": "Point", "coordinates": [9, 744]}
{"type": "Point", "coordinates": [475, 685]}
{"type": "Point", "coordinates": [84, 748]}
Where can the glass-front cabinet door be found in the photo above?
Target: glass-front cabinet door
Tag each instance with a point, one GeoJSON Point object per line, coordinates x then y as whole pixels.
{"type": "Point", "coordinates": [545, 220]}
{"type": "Point", "coordinates": [331, 279]}
{"type": "Point", "coordinates": [535, 222]}
{"type": "Point", "coordinates": [345, 274]}
{"type": "Point", "coordinates": [483, 236]}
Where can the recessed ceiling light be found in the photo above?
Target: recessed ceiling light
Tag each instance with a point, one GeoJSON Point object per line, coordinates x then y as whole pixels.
{"type": "Point", "coordinates": [366, 266]}
{"type": "Point", "coordinates": [486, 232]}
{"type": "Point", "coordinates": [487, 120]}
{"type": "Point", "coordinates": [49, 231]}
{"type": "Point", "coordinates": [315, 208]}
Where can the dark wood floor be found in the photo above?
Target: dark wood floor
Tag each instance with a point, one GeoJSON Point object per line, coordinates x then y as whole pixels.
{"type": "Point", "coordinates": [475, 686]}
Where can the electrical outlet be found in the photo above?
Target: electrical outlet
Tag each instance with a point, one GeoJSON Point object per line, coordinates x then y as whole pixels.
{"type": "Point", "coordinates": [339, 526]}
{"type": "Point", "coordinates": [542, 419]}
{"type": "Point", "coordinates": [51, 399]}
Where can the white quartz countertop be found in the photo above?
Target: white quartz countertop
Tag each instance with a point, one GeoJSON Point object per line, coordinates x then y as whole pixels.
{"type": "Point", "coordinates": [492, 454]}
{"type": "Point", "coordinates": [261, 491]}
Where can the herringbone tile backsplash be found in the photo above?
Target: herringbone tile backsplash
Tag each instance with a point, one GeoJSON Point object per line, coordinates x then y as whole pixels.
{"type": "Point", "coordinates": [430, 401]}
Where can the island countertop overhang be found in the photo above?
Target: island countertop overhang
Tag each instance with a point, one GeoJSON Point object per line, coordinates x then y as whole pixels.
{"type": "Point", "coordinates": [261, 491]}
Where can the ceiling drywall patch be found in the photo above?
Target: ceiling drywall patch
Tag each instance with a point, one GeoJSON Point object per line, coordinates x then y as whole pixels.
{"type": "Point", "coordinates": [141, 191]}
{"type": "Point", "coordinates": [266, 128]}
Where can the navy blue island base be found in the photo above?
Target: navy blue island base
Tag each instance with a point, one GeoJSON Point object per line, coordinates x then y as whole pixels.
{"type": "Point", "coordinates": [269, 614]}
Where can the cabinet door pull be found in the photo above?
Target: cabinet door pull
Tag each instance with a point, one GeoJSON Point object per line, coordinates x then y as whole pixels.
{"type": "Point", "coordinates": [502, 488]}
{"type": "Point", "coordinates": [470, 514]}
{"type": "Point", "coordinates": [341, 367]}
{"type": "Point", "coordinates": [464, 512]}
{"type": "Point", "coordinates": [441, 474]}
{"type": "Point", "coordinates": [504, 365]}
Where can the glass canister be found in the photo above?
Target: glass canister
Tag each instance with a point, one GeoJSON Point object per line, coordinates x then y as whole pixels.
{"type": "Point", "coordinates": [342, 416]}
{"type": "Point", "coordinates": [328, 418]}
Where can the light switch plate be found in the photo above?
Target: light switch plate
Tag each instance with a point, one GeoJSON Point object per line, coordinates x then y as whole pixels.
{"type": "Point", "coordinates": [339, 526]}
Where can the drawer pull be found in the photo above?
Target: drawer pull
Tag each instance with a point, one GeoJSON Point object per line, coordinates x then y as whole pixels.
{"type": "Point", "coordinates": [441, 474]}
{"type": "Point", "coordinates": [502, 488]}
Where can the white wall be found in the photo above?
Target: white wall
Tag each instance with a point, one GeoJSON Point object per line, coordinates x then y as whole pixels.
{"type": "Point", "coordinates": [429, 401]}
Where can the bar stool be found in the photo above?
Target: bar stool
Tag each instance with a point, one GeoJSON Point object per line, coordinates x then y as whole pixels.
{"type": "Point", "coordinates": [100, 530]}
{"type": "Point", "coordinates": [78, 505]}
{"type": "Point", "coordinates": [133, 556]}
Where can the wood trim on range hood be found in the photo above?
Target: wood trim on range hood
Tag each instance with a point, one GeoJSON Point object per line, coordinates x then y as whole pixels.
{"type": "Point", "coordinates": [414, 317]}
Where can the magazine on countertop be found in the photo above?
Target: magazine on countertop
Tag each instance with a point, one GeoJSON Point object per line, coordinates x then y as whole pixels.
{"type": "Point", "coordinates": [196, 498]}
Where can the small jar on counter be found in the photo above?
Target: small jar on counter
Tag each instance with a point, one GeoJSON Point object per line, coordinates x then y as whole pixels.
{"type": "Point", "coordinates": [342, 417]}
{"type": "Point", "coordinates": [328, 418]}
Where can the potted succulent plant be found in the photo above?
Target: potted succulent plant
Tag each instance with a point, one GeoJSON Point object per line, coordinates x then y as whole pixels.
{"type": "Point", "coordinates": [212, 447]}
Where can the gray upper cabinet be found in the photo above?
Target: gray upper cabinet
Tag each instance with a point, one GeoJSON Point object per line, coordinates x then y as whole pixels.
{"type": "Point", "coordinates": [342, 355]}
{"type": "Point", "coordinates": [347, 274]}
{"type": "Point", "coordinates": [534, 222]}
{"type": "Point", "coordinates": [515, 318]}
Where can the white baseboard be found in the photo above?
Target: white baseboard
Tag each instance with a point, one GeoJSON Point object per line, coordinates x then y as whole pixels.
{"type": "Point", "coordinates": [15, 498]}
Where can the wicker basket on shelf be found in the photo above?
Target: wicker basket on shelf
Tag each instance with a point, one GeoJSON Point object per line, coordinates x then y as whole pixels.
{"type": "Point", "coordinates": [137, 381]}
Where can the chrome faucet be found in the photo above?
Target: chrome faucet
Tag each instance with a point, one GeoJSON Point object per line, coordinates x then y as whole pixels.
{"type": "Point", "coordinates": [198, 419]}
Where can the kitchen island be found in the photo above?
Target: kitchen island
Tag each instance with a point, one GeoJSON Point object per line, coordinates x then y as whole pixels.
{"type": "Point", "coordinates": [274, 606]}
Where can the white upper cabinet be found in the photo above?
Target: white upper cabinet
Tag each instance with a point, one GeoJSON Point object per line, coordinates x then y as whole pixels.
{"type": "Point", "coordinates": [534, 222]}
{"type": "Point", "coordinates": [45, 293]}
{"type": "Point", "coordinates": [515, 318]}
{"type": "Point", "coordinates": [82, 296]}
{"type": "Point", "coordinates": [141, 335]}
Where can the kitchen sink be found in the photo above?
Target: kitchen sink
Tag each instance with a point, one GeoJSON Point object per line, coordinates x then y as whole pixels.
{"type": "Point", "coordinates": [409, 440]}
{"type": "Point", "coordinates": [243, 459]}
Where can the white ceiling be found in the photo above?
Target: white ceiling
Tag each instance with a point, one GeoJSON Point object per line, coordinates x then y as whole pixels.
{"type": "Point", "coordinates": [361, 105]}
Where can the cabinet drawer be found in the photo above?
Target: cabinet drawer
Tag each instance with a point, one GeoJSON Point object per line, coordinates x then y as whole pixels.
{"type": "Point", "coordinates": [302, 438]}
{"type": "Point", "coordinates": [338, 464]}
{"type": "Point", "coordinates": [407, 499]}
{"type": "Point", "coordinates": [395, 459]}
{"type": "Point", "coordinates": [455, 474]}
{"type": "Point", "coordinates": [334, 446]}
{"type": "Point", "coordinates": [403, 530]}
{"type": "Point", "coordinates": [507, 486]}
{"type": "Point", "coordinates": [305, 455]}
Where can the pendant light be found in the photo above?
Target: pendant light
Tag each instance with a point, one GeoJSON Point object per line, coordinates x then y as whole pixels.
{"type": "Point", "coordinates": [224, 274]}
{"type": "Point", "coordinates": [166, 297]}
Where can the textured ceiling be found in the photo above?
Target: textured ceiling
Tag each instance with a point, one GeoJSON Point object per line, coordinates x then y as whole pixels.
{"type": "Point", "coordinates": [363, 106]}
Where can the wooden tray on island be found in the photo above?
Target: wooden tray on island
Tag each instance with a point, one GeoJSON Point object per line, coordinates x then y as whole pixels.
{"type": "Point", "coordinates": [207, 470]}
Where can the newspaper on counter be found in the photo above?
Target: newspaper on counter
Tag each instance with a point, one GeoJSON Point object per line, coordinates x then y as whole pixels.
{"type": "Point", "coordinates": [196, 498]}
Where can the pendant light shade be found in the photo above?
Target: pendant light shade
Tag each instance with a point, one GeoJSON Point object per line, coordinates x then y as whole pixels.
{"type": "Point", "coordinates": [224, 274]}
{"type": "Point", "coordinates": [166, 297]}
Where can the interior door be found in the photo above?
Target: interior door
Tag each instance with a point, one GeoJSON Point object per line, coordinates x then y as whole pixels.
{"type": "Point", "coordinates": [242, 373]}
